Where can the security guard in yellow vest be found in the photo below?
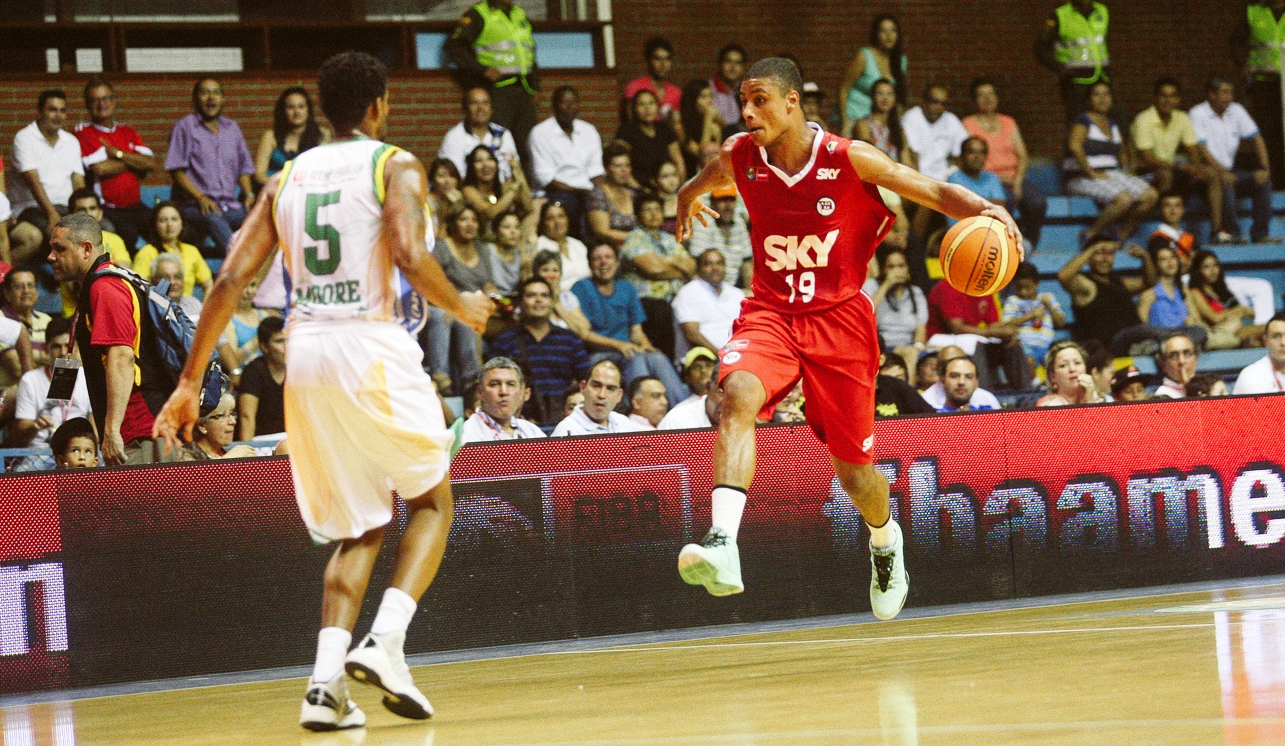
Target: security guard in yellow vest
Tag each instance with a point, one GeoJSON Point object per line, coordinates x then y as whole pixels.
{"type": "Point", "coordinates": [1256, 46]}
{"type": "Point", "coordinates": [1074, 45]}
{"type": "Point", "coordinates": [493, 45]}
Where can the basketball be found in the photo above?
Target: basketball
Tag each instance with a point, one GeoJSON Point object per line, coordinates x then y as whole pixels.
{"type": "Point", "coordinates": [976, 256]}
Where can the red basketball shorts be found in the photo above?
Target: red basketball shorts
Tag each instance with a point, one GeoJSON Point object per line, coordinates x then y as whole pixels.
{"type": "Point", "coordinates": [835, 352]}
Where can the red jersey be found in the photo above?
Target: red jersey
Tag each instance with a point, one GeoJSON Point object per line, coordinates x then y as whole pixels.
{"type": "Point", "coordinates": [814, 232]}
{"type": "Point", "coordinates": [122, 189]}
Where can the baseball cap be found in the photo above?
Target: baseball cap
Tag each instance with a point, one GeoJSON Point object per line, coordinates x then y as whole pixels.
{"type": "Point", "coordinates": [812, 89]}
{"type": "Point", "coordinates": [696, 353]}
{"type": "Point", "coordinates": [1130, 375]}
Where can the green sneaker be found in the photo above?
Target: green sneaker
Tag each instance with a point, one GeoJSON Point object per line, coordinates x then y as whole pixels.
{"type": "Point", "coordinates": [714, 563]}
{"type": "Point", "coordinates": [889, 581]}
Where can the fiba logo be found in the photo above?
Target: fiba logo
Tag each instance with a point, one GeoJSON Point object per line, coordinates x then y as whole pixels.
{"type": "Point", "coordinates": [825, 207]}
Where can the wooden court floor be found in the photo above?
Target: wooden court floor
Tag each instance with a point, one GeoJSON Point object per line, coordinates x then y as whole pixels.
{"type": "Point", "coordinates": [1202, 667]}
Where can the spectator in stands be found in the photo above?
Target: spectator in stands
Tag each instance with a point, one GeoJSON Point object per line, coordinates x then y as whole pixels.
{"type": "Point", "coordinates": [971, 322]}
{"type": "Point", "coordinates": [972, 173]}
{"type": "Point", "coordinates": [884, 58]}
{"type": "Point", "coordinates": [493, 46]}
{"type": "Point", "coordinates": [647, 402]}
{"type": "Point", "coordinates": [510, 254]}
{"type": "Point", "coordinates": [489, 196]}
{"type": "Point", "coordinates": [125, 390]}
{"type": "Point", "coordinates": [610, 208]}
{"type": "Point", "coordinates": [1223, 126]}
{"type": "Point", "coordinates": [1168, 149]}
{"type": "Point", "coordinates": [260, 397]}
{"type": "Point", "coordinates": [574, 397]}
{"type": "Point", "coordinates": [1170, 232]}
{"type": "Point", "coordinates": [15, 359]}
{"type": "Point", "coordinates": [706, 307]}
{"type": "Point", "coordinates": [1165, 305]}
{"type": "Point", "coordinates": [1073, 44]}
{"type": "Point", "coordinates": [75, 445]}
{"type": "Point", "coordinates": [119, 160]}
{"type": "Point", "coordinates": [554, 357]}
{"type": "Point", "coordinates": [47, 162]}
{"type": "Point", "coordinates": [1255, 46]}
{"type": "Point", "coordinates": [452, 347]}
{"type": "Point", "coordinates": [1130, 386]}
{"type": "Point", "coordinates": [36, 416]}
{"type": "Point", "coordinates": [727, 86]}
{"type": "Point", "coordinates": [729, 234]}
{"type": "Point", "coordinates": [295, 129]}
{"type": "Point", "coordinates": [1103, 299]}
{"type": "Point", "coordinates": [959, 380]}
{"type": "Point", "coordinates": [926, 370]}
{"type": "Point", "coordinates": [502, 394]}
{"type": "Point", "coordinates": [698, 364]}
{"type": "Point", "coordinates": [20, 295]}
{"type": "Point", "coordinates": [894, 367]}
{"type": "Point", "coordinates": [882, 126]}
{"type": "Point", "coordinates": [602, 392]}
{"type": "Point", "coordinates": [811, 99]}
{"type": "Point", "coordinates": [1266, 376]}
{"type": "Point", "coordinates": [699, 123]}
{"type": "Point", "coordinates": [565, 313]}
{"type": "Point", "coordinates": [555, 237]}
{"type": "Point", "coordinates": [1177, 360]}
{"type": "Point", "coordinates": [214, 432]}
{"type": "Point", "coordinates": [1204, 385]}
{"type": "Point", "coordinates": [934, 137]}
{"type": "Point", "coordinates": [617, 316]}
{"type": "Point", "coordinates": [1068, 375]}
{"type": "Point", "coordinates": [657, 265]}
{"type": "Point", "coordinates": [697, 411]}
{"type": "Point", "coordinates": [208, 161]}
{"type": "Point", "coordinates": [169, 267]}
{"type": "Point", "coordinates": [893, 395]}
{"type": "Point", "coordinates": [566, 157]}
{"type": "Point", "coordinates": [168, 223]}
{"type": "Point", "coordinates": [1097, 166]}
{"type": "Point", "coordinates": [901, 310]}
{"type": "Point", "coordinates": [659, 54]}
{"type": "Point", "coordinates": [242, 332]}
{"type": "Point", "coordinates": [85, 200]}
{"type": "Point", "coordinates": [1035, 315]}
{"type": "Point", "coordinates": [666, 185]}
{"type": "Point", "coordinates": [1101, 365]}
{"type": "Point", "coordinates": [443, 191]}
{"type": "Point", "coordinates": [935, 394]}
{"type": "Point", "coordinates": [1228, 323]}
{"type": "Point", "coordinates": [478, 131]}
{"type": "Point", "coordinates": [1007, 158]}
{"type": "Point", "coordinates": [651, 138]}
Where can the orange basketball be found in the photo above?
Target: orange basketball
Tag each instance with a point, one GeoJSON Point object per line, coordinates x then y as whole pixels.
{"type": "Point", "coordinates": [976, 256]}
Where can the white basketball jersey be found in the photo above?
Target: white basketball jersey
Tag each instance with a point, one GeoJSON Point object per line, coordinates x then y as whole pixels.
{"type": "Point", "coordinates": [329, 217]}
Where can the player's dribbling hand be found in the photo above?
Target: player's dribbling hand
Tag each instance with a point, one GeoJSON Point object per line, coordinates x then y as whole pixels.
{"type": "Point", "coordinates": [1014, 233]}
{"type": "Point", "coordinates": [177, 417]}
{"type": "Point", "coordinates": [694, 209]}
{"type": "Point", "coordinates": [475, 309]}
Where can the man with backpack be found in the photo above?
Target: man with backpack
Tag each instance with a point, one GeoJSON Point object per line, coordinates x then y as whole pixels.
{"type": "Point", "coordinates": [122, 348]}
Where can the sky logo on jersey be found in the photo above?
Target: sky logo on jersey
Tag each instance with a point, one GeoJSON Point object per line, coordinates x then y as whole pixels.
{"type": "Point", "coordinates": [827, 174]}
{"type": "Point", "coordinates": [789, 252]}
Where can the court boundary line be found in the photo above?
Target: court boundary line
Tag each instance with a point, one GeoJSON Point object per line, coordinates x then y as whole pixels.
{"type": "Point", "coordinates": [635, 641]}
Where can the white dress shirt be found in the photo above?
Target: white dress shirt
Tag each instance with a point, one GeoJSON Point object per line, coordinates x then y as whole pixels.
{"type": "Point", "coordinates": [459, 142]}
{"type": "Point", "coordinates": [714, 312]}
{"type": "Point", "coordinates": [34, 403]}
{"type": "Point", "coordinates": [574, 161]}
{"type": "Point", "coordinates": [933, 142]}
{"type": "Point", "coordinates": [481, 428]}
{"type": "Point", "coordinates": [1221, 135]}
{"type": "Point", "coordinates": [1259, 378]}
{"type": "Point", "coordinates": [56, 164]}
{"type": "Point", "coordinates": [689, 413]}
{"type": "Point", "coordinates": [578, 423]}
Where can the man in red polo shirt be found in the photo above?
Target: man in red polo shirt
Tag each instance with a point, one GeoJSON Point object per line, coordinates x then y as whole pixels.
{"type": "Point", "coordinates": [119, 161]}
{"type": "Point", "coordinates": [952, 313]}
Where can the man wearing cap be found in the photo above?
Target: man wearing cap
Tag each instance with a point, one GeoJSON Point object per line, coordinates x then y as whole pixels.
{"type": "Point", "coordinates": [697, 411]}
{"type": "Point", "coordinates": [729, 233]}
{"type": "Point", "coordinates": [698, 364]}
{"type": "Point", "coordinates": [1131, 385]}
{"type": "Point", "coordinates": [706, 307]}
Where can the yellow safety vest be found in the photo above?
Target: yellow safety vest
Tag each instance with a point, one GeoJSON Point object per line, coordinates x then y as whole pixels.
{"type": "Point", "coordinates": [1269, 37]}
{"type": "Point", "coordinates": [1083, 45]}
{"type": "Point", "coordinates": [506, 42]}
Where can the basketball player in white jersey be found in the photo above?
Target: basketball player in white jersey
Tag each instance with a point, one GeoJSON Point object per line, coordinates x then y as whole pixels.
{"type": "Point", "coordinates": [362, 416]}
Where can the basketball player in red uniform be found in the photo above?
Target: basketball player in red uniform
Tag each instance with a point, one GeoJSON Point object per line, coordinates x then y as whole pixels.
{"type": "Point", "coordinates": [816, 217]}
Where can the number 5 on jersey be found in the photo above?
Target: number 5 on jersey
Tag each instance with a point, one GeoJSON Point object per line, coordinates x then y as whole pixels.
{"type": "Point", "coordinates": [321, 232]}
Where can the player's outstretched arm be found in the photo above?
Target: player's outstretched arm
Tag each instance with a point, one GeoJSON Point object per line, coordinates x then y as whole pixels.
{"type": "Point", "coordinates": [253, 245]}
{"type": "Point", "coordinates": [716, 174]}
{"type": "Point", "coordinates": [405, 226]}
{"type": "Point", "coordinates": [951, 200]}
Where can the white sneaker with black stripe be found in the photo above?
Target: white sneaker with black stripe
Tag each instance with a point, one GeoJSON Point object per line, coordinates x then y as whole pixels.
{"type": "Point", "coordinates": [379, 661]}
{"type": "Point", "coordinates": [889, 581]}
{"type": "Point", "coordinates": [326, 706]}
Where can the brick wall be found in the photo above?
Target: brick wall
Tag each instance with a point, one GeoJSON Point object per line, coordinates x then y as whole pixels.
{"type": "Point", "coordinates": [947, 42]}
{"type": "Point", "coordinates": [424, 106]}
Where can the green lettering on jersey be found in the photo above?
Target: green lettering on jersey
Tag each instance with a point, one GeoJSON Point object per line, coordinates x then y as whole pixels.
{"type": "Point", "coordinates": [321, 232]}
{"type": "Point", "coordinates": [348, 291]}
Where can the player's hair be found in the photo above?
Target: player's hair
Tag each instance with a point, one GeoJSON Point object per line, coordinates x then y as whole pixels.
{"type": "Point", "coordinates": [80, 228]}
{"type": "Point", "coordinates": [777, 69]}
{"type": "Point", "coordinates": [269, 327]}
{"type": "Point", "coordinates": [500, 362]}
{"type": "Point", "coordinates": [196, 88]}
{"type": "Point", "coordinates": [47, 94]}
{"type": "Point", "coordinates": [1026, 271]}
{"type": "Point", "coordinates": [311, 136]}
{"type": "Point", "coordinates": [978, 82]}
{"type": "Point", "coordinates": [349, 83]}
{"type": "Point", "coordinates": [520, 290]}
{"type": "Point", "coordinates": [76, 427]}
{"type": "Point", "coordinates": [57, 326]}
{"type": "Point", "coordinates": [896, 55]}
{"type": "Point", "coordinates": [1056, 349]}
{"type": "Point", "coordinates": [974, 138]}
{"type": "Point", "coordinates": [733, 47]}
{"type": "Point", "coordinates": [96, 82]}
{"type": "Point", "coordinates": [614, 151]}
{"type": "Point", "coordinates": [171, 258]}
{"type": "Point", "coordinates": [469, 89]}
{"type": "Point", "coordinates": [1218, 81]}
{"type": "Point", "coordinates": [647, 197]}
{"type": "Point", "coordinates": [1163, 81]}
{"type": "Point", "coordinates": [654, 43]}
{"type": "Point", "coordinates": [636, 386]}
{"type": "Point", "coordinates": [8, 282]}
{"type": "Point", "coordinates": [83, 193]}
{"type": "Point", "coordinates": [600, 363]}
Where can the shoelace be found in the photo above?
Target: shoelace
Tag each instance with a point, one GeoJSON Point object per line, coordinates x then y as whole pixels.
{"type": "Point", "coordinates": [883, 570]}
{"type": "Point", "coordinates": [714, 539]}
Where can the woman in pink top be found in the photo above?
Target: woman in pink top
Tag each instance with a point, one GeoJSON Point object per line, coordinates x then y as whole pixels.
{"type": "Point", "coordinates": [1007, 158]}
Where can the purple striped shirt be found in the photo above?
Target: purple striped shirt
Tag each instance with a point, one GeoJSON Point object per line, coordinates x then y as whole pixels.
{"type": "Point", "coordinates": [213, 162]}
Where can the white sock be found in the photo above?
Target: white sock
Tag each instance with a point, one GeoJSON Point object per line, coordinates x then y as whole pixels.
{"type": "Point", "coordinates": [727, 505]}
{"type": "Point", "coordinates": [394, 613]}
{"type": "Point", "coordinates": [884, 536]}
{"type": "Point", "coordinates": [332, 646]}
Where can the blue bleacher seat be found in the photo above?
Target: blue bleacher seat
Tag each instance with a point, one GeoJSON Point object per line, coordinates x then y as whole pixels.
{"type": "Point", "coordinates": [1217, 361]}
{"type": "Point", "coordinates": [153, 194]}
{"type": "Point", "coordinates": [1044, 176]}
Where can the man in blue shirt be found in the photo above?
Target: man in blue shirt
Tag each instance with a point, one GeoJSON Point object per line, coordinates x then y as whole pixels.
{"type": "Point", "coordinates": [553, 356]}
{"type": "Point", "coordinates": [616, 314]}
{"type": "Point", "coordinates": [972, 176]}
